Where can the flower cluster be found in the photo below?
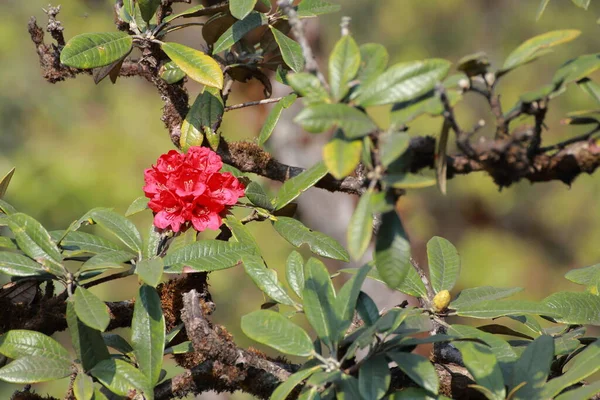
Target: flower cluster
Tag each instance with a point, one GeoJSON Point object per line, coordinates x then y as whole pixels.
{"type": "Point", "coordinates": [188, 187]}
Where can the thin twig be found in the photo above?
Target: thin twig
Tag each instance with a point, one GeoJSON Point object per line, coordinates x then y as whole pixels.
{"type": "Point", "coordinates": [565, 143]}
{"type": "Point", "coordinates": [252, 103]}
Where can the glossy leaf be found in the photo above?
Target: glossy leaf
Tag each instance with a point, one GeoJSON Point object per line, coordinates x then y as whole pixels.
{"type": "Point", "coordinates": [418, 368]}
{"type": "Point", "coordinates": [197, 65]}
{"type": "Point", "coordinates": [90, 309]}
{"type": "Point", "coordinates": [257, 196]}
{"type": "Point", "coordinates": [533, 367]}
{"type": "Point", "coordinates": [206, 255]}
{"type": "Point", "coordinates": [588, 276]}
{"type": "Point", "coordinates": [238, 30]}
{"type": "Point", "coordinates": [373, 61]}
{"type": "Point", "coordinates": [574, 308]}
{"type": "Point", "coordinates": [241, 8]}
{"type": "Point", "coordinates": [319, 302]}
{"type": "Point", "coordinates": [344, 62]}
{"type": "Point", "coordinates": [274, 330]}
{"type": "Point", "coordinates": [392, 146]}
{"type": "Point", "coordinates": [121, 377]}
{"type": "Point", "coordinates": [241, 234]}
{"type": "Point", "coordinates": [19, 343]}
{"type": "Point", "coordinates": [83, 387]}
{"type": "Point", "coordinates": [309, 87]}
{"type": "Point", "coordinates": [494, 309]}
{"type": "Point", "coordinates": [117, 342]}
{"type": "Point", "coordinates": [284, 389]}
{"type": "Point", "coordinates": [360, 227]}
{"type": "Point", "coordinates": [576, 69]}
{"type": "Point", "coordinates": [148, 8]}
{"type": "Point", "coordinates": [444, 264]}
{"type": "Point", "coordinates": [266, 279]}
{"type": "Point", "coordinates": [502, 350]}
{"type": "Point", "coordinates": [402, 82]}
{"type": "Point", "coordinates": [290, 50]}
{"type": "Point", "coordinates": [294, 272]}
{"type": "Point", "coordinates": [148, 333]}
{"type": "Point", "coordinates": [582, 393]}
{"type": "Point", "coordinates": [319, 243]}
{"type": "Point", "coordinates": [591, 88]}
{"type": "Point", "coordinates": [76, 243]}
{"type": "Point", "coordinates": [32, 369]}
{"type": "Point", "coordinates": [313, 8]}
{"type": "Point", "coordinates": [483, 366]}
{"type": "Point", "coordinates": [138, 205]}
{"type": "Point", "coordinates": [119, 226]}
{"type": "Point", "coordinates": [14, 264]}
{"type": "Point", "coordinates": [341, 156]}
{"type": "Point", "coordinates": [409, 181]}
{"type": "Point", "coordinates": [35, 241]}
{"type": "Point", "coordinates": [171, 73]}
{"type": "Point", "coordinates": [190, 12]}
{"type": "Point", "coordinates": [345, 302]}
{"type": "Point", "coordinates": [292, 188]}
{"type": "Point", "coordinates": [322, 117]}
{"type": "Point", "coordinates": [535, 47]}
{"type": "Point", "coordinates": [583, 365]}
{"type": "Point", "coordinates": [374, 377]}
{"type": "Point", "coordinates": [367, 309]}
{"type": "Point", "coordinates": [392, 250]}
{"type": "Point", "coordinates": [273, 117]}
{"type": "Point", "coordinates": [87, 342]}
{"type": "Point", "coordinates": [103, 261]}
{"type": "Point", "coordinates": [91, 50]}
{"type": "Point", "coordinates": [469, 297]}
{"type": "Point", "coordinates": [8, 243]}
{"type": "Point", "coordinates": [207, 109]}
{"type": "Point", "coordinates": [150, 270]}
{"type": "Point", "coordinates": [5, 181]}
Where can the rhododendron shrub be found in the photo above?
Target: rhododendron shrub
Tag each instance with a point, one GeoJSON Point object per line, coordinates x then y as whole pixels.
{"type": "Point", "coordinates": [188, 188]}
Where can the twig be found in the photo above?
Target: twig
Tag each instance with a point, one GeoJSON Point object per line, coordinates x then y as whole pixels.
{"type": "Point", "coordinates": [252, 103]}
{"type": "Point", "coordinates": [565, 143]}
{"type": "Point", "coordinates": [424, 279]}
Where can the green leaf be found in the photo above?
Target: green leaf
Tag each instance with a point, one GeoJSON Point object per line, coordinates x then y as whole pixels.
{"type": "Point", "coordinates": [207, 109]}
{"type": "Point", "coordinates": [374, 377]}
{"type": "Point", "coordinates": [266, 279]}
{"type": "Point", "coordinates": [418, 368]}
{"type": "Point", "coordinates": [284, 389]}
{"type": "Point", "coordinates": [411, 285]}
{"type": "Point", "coordinates": [206, 255]}
{"type": "Point", "coordinates": [319, 302]}
{"type": "Point", "coordinates": [367, 309]}
{"type": "Point", "coordinates": [138, 205]}
{"type": "Point", "coordinates": [582, 393]}
{"type": "Point", "coordinates": [483, 366]}
{"type": "Point", "coordinates": [360, 227]}
{"type": "Point", "coordinates": [119, 226]}
{"type": "Point", "coordinates": [582, 3]}
{"type": "Point", "coordinates": [83, 387]}
{"type": "Point", "coordinates": [533, 367]}
{"type": "Point", "coordinates": [344, 62]}
{"type": "Point", "coordinates": [6, 208]}
{"type": "Point", "coordinates": [576, 69]}
{"type": "Point", "coordinates": [444, 264]}
{"type": "Point", "coordinates": [8, 243]}
{"type": "Point", "coordinates": [91, 50]}
{"type": "Point", "coordinates": [19, 343]}
{"type": "Point", "coordinates": [90, 309]}
{"type": "Point", "coordinates": [292, 188]}
{"type": "Point", "coordinates": [238, 30]}
{"type": "Point", "coordinates": [373, 60]}
{"type": "Point", "coordinates": [392, 250]}
{"type": "Point", "coordinates": [501, 348]}
{"type": "Point", "coordinates": [319, 243]}
{"type": "Point", "coordinates": [199, 9]}
{"type": "Point", "coordinates": [35, 241]}
{"type": "Point", "coordinates": [294, 272]}
{"type": "Point", "coordinates": [408, 181]}
{"type": "Point", "coordinates": [276, 331]}
{"type": "Point", "coordinates": [469, 297]}
{"type": "Point", "coordinates": [5, 181]}
{"type": "Point", "coordinates": [241, 8]}
{"type": "Point", "coordinates": [108, 260]}
{"type": "Point", "coordinates": [150, 270]}
{"type": "Point", "coordinates": [171, 73]}
{"type": "Point", "coordinates": [148, 8]}
{"type": "Point", "coordinates": [121, 377]}
{"type": "Point", "coordinates": [591, 88]}
{"type": "Point", "coordinates": [583, 365]}
{"type": "Point", "coordinates": [257, 196]}
{"type": "Point", "coordinates": [77, 243]}
{"type": "Point", "coordinates": [321, 117]}
{"type": "Point", "coordinates": [536, 47]}
{"type": "Point", "coordinates": [290, 50]}
{"type": "Point", "coordinates": [197, 65]}
{"type": "Point", "coordinates": [347, 388]}
{"type": "Point", "coordinates": [309, 87]}
{"type": "Point", "coordinates": [345, 303]}
{"type": "Point", "coordinates": [402, 82]}
{"type": "Point", "coordinates": [494, 309]}
{"type": "Point", "coordinates": [574, 308]}
{"type": "Point", "coordinates": [541, 9]}
{"type": "Point", "coordinates": [14, 264]}
{"type": "Point", "coordinates": [588, 276]}
{"type": "Point", "coordinates": [32, 369]}
{"type": "Point", "coordinates": [117, 342]}
{"type": "Point", "coordinates": [181, 348]}
{"type": "Point", "coordinates": [148, 333]}
{"type": "Point", "coordinates": [341, 156]}
{"type": "Point", "coordinates": [87, 342]}
{"type": "Point", "coordinates": [312, 8]}
{"type": "Point", "coordinates": [391, 146]}
{"type": "Point", "coordinates": [273, 117]}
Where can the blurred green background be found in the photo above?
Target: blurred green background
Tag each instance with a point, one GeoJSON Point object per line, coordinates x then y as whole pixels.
{"type": "Point", "coordinates": [77, 145]}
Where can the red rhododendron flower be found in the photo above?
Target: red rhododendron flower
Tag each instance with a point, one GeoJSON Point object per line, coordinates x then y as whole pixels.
{"type": "Point", "coordinates": [188, 188]}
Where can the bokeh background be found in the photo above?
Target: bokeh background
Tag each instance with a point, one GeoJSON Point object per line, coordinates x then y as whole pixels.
{"type": "Point", "coordinates": [77, 145]}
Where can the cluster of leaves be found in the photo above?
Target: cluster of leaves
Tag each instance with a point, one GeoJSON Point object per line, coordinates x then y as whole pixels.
{"type": "Point", "coordinates": [358, 347]}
